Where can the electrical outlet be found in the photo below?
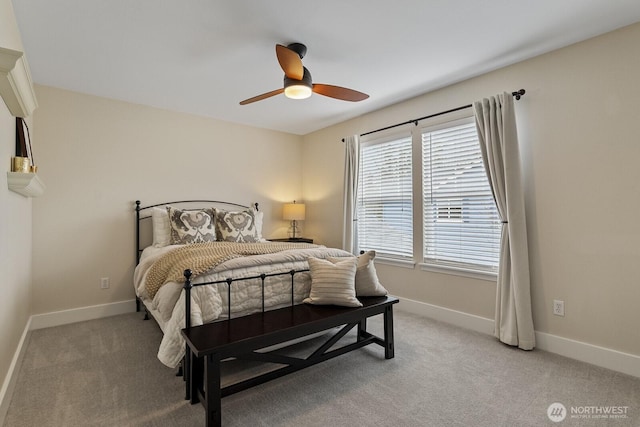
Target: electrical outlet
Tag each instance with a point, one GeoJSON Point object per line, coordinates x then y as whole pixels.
{"type": "Point", "coordinates": [104, 283]}
{"type": "Point", "coordinates": [558, 307]}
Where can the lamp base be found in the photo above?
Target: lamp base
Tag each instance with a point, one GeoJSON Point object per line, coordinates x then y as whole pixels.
{"type": "Point", "coordinates": [294, 230]}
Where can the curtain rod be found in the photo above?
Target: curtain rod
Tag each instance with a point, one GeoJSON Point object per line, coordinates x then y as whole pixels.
{"type": "Point", "coordinates": [517, 94]}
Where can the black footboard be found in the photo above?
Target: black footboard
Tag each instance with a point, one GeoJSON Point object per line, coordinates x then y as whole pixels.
{"type": "Point", "coordinates": [241, 337]}
{"type": "Point", "coordinates": [189, 285]}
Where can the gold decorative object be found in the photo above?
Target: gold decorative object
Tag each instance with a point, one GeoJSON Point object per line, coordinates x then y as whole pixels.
{"type": "Point", "coordinates": [21, 164]}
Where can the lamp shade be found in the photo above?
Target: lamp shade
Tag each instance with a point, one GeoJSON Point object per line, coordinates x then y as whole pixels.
{"type": "Point", "coordinates": [293, 211]}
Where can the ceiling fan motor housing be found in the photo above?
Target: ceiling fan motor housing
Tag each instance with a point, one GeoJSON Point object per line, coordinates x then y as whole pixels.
{"type": "Point", "coordinates": [306, 79]}
{"type": "Point", "coordinates": [298, 48]}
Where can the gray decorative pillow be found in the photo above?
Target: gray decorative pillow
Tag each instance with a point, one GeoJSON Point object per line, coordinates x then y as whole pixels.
{"type": "Point", "coordinates": [367, 283]}
{"type": "Point", "coordinates": [236, 226]}
{"type": "Point", "coordinates": [191, 226]}
{"type": "Point", "coordinates": [333, 283]}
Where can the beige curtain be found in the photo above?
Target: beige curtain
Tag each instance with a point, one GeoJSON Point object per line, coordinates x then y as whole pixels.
{"type": "Point", "coordinates": [496, 124]}
{"type": "Point", "coordinates": [351, 170]}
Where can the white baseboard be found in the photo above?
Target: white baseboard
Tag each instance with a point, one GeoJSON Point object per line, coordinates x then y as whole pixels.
{"type": "Point", "coordinates": [57, 318]}
{"type": "Point", "coordinates": [600, 356]}
{"type": "Point", "coordinates": [46, 320]}
{"type": "Point", "coordinates": [458, 318]}
{"type": "Point", "coordinates": [6, 392]}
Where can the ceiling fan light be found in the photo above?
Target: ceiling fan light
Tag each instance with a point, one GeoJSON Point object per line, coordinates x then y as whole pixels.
{"type": "Point", "coordinates": [297, 91]}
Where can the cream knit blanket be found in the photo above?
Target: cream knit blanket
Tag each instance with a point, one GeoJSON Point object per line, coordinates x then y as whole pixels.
{"type": "Point", "coordinates": [202, 257]}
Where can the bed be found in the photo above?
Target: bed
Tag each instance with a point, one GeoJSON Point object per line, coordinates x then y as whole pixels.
{"type": "Point", "coordinates": [228, 236]}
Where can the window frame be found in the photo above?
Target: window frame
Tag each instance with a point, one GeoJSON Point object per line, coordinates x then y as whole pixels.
{"type": "Point", "coordinates": [459, 267]}
{"type": "Point", "coordinates": [399, 133]}
{"type": "Point", "coordinates": [415, 130]}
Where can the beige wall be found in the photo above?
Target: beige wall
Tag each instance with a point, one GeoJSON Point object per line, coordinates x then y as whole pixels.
{"type": "Point", "coordinates": [15, 252]}
{"type": "Point", "coordinates": [15, 226]}
{"type": "Point", "coordinates": [578, 127]}
{"type": "Point", "coordinates": [97, 156]}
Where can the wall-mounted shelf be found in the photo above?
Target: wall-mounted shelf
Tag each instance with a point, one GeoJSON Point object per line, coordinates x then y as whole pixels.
{"type": "Point", "coordinates": [27, 184]}
{"type": "Point", "coordinates": [16, 87]}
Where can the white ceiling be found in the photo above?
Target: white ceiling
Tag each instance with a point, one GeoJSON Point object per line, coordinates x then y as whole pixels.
{"type": "Point", "coordinates": [204, 56]}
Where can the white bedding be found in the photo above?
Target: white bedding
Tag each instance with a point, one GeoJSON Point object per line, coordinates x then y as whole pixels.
{"type": "Point", "coordinates": [209, 302]}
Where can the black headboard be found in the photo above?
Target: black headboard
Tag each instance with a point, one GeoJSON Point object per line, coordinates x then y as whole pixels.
{"type": "Point", "coordinates": [142, 213]}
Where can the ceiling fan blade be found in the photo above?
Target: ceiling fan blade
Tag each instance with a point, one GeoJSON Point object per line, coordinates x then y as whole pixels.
{"type": "Point", "coordinates": [338, 92]}
{"type": "Point", "coordinates": [290, 62]}
{"type": "Point", "coordinates": [261, 97]}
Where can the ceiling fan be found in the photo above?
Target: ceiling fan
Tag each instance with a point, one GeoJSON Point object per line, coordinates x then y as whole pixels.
{"type": "Point", "coordinates": [297, 79]}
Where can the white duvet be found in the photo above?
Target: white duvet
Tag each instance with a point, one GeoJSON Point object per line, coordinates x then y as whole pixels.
{"type": "Point", "coordinates": [209, 302]}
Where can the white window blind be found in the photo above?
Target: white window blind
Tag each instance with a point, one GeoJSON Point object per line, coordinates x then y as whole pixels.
{"type": "Point", "coordinates": [461, 223]}
{"type": "Point", "coordinates": [385, 202]}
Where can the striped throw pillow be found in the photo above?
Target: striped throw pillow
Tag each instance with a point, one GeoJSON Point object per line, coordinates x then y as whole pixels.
{"type": "Point", "coordinates": [333, 284]}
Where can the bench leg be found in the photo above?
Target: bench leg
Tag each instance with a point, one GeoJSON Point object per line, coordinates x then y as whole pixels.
{"type": "Point", "coordinates": [362, 327]}
{"type": "Point", "coordinates": [197, 378]}
{"type": "Point", "coordinates": [213, 394]}
{"type": "Point", "coordinates": [388, 332]}
{"type": "Point", "coordinates": [188, 376]}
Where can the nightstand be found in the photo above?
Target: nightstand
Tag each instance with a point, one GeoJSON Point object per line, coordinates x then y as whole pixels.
{"type": "Point", "coordinates": [293, 240]}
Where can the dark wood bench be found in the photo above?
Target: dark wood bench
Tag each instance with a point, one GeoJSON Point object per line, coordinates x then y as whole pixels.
{"type": "Point", "coordinates": [209, 344]}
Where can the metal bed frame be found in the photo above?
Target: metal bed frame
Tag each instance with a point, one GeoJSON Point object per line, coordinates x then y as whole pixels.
{"type": "Point", "coordinates": [188, 286]}
{"type": "Point", "coordinates": [141, 216]}
{"type": "Point", "coordinates": [241, 337]}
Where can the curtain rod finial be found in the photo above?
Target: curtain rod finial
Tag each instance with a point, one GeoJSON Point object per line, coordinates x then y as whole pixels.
{"type": "Point", "coordinates": [518, 94]}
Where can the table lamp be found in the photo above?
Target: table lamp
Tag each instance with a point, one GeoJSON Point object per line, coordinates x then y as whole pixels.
{"type": "Point", "coordinates": [293, 212]}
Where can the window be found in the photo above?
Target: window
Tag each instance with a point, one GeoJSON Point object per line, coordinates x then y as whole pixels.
{"type": "Point", "coordinates": [461, 227]}
{"type": "Point", "coordinates": [456, 224]}
{"type": "Point", "coordinates": [385, 198]}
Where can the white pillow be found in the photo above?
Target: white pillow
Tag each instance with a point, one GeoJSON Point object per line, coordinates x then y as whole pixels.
{"type": "Point", "coordinates": [367, 283]}
{"type": "Point", "coordinates": [259, 217]}
{"type": "Point", "coordinates": [333, 283]}
{"type": "Point", "coordinates": [161, 227]}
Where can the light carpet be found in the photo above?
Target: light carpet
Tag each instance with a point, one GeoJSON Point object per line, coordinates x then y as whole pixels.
{"type": "Point", "coordinates": [104, 373]}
